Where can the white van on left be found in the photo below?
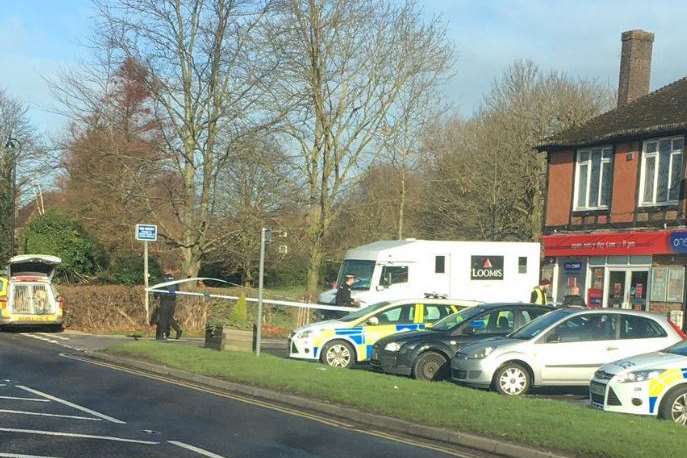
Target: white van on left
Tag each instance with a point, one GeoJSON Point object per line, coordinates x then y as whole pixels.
{"type": "Point", "coordinates": [31, 299]}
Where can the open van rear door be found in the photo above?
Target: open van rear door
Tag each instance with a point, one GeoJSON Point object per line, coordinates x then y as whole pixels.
{"type": "Point", "coordinates": [34, 264]}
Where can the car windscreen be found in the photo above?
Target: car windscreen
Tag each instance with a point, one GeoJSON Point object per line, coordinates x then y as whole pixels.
{"type": "Point", "coordinates": [363, 311]}
{"type": "Point", "coordinates": [678, 349]}
{"type": "Point", "coordinates": [453, 320]}
{"type": "Point", "coordinates": [536, 326]}
{"type": "Point", "coordinates": [362, 270]}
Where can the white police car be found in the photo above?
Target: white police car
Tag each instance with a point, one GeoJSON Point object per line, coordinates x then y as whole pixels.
{"type": "Point", "coordinates": [650, 384]}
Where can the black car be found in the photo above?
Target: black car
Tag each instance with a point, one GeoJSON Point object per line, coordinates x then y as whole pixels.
{"type": "Point", "coordinates": [426, 354]}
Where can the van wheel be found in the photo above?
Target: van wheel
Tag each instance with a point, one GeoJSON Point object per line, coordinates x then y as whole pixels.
{"type": "Point", "coordinates": [338, 353]}
{"type": "Point", "coordinates": [674, 406]}
{"type": "Point", "coordinates": [512, 379]}
{"type": "Point", "coordinates": [431, 366]}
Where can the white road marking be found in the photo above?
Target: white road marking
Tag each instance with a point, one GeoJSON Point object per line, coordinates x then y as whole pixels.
{"type": "Point", "coordinates": [81, 436]}
{"type": "Point", "coordinates": [54, 336]}
{"type": "Point", "coordinates": [14, 455]}
{"type": "Point", "coordinates": [44, 339]}
{"type": "Point", "coordinates": [55, 342]}
{"type": "Point", "coordinates": [14, 398]}
{"type": "Point", "coordinates": [72, 405]}
{"type": "Point", "coordinates": [73, 417]}
{"type": "Point", "coordinates": [199, 451]}
{"type": "Point", "coordinates": [2, 384]}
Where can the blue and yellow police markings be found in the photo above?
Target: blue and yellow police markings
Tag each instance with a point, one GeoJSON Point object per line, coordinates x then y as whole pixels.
{"type": "Point", "coordinates": [658, 385]}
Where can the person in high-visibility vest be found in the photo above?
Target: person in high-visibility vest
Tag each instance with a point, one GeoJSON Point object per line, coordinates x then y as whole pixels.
{"type": "Point", "coordinates": [539, 292]}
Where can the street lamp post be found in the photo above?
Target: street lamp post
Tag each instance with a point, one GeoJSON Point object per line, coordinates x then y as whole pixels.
{"type": "Point", "coordinates": [265, 238]}
{"type": "Point", "coordinates": [11, 145]}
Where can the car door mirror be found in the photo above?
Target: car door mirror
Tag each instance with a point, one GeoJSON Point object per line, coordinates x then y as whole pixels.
{"type": "Point", "coordinates": [553, 338]}
{"type": "Point", "coordinates": [380, 288]}
{"type": "Point", "coordinates": [373, 321]}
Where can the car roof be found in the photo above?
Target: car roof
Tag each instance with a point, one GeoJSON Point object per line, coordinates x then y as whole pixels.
{"type": "Point", "coordinates": [514, 304]}
{"type": "Point", "coordinates": [614, 311]}
{"type": "Point", "coordinates": [427, 300]}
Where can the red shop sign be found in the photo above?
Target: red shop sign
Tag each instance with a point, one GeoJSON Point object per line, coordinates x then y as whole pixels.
{"type": "Point", "coordinates": [607, 244]}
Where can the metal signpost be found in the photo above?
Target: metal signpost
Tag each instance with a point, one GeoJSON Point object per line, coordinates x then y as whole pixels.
{"type": "Point", "coordinates": [265, 238]}
{"type": "Point", "coordinates": [146, 233]}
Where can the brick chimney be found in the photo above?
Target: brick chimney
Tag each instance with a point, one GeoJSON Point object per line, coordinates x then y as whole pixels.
{"type": "Point", "coordinates": [635, 65]}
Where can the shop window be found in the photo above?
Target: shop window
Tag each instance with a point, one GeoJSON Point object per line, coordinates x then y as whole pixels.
{"type": "Point", "coordinates": [617, 260]}
{"type": "Point", "coordinates": [598, 278]}
{"type": "Point", "coordinates": [661, 174]}
{"type": "Point", "coordinates": [522, 265]}
{"type": "Point", "coordinates": [571, 278]}
{"type": "Point", "coordinates": [667, 284]}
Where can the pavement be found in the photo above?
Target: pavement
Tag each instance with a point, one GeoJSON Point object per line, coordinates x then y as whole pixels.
{"type": "Point", "coordinates": [55, 403]}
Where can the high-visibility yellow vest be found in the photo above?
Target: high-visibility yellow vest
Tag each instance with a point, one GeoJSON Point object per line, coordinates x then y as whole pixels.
{"type": "Point", "coordinates": [541, 297]}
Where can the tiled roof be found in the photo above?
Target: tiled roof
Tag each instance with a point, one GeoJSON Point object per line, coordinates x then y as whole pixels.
{"type": "Point", "coordinates": [662, 111]}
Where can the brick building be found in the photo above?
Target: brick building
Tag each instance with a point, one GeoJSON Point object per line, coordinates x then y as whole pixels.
{"type": "Point", "coordinates": [615, 226]}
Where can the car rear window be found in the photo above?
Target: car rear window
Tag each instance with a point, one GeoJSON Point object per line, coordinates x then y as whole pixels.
{"type": "Point", "coordinates": [637, 327]}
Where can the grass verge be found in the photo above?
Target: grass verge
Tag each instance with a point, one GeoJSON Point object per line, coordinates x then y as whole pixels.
{"type": "Point", "coordinates": [554, 425]}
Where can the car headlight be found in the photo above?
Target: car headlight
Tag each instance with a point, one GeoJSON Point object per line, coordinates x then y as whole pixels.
{"type": "Point", "coordinates": [638, 376]}
{"type": "Point", "coordinates": [393, 346]}
{"type": "Point", "coordinates": [481, 353]}
{"type": "Point", "coordinates": [305, 334]}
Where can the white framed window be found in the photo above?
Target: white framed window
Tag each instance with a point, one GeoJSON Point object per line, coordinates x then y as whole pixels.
{"type": "Point", "coordinates": [661, 176]}
{"type": "Point", "coordinates": [593, 178]}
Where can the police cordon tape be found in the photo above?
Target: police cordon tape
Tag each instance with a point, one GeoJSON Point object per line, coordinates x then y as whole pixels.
{"type": "Point", "coordinates": [157, 289]}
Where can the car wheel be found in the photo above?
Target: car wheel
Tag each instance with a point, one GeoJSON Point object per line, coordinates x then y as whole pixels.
{"type": "Point", "coordinates": [431, 366]}
{"type": "Point", "coordinates": [338, 354]}
{"type": "Point", "coordinates": [674, 406]}
{"type": "Point", "coordinates": [512, 379]}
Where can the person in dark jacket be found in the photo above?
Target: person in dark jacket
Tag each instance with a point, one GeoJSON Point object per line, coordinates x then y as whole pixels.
{"type": "Point", "coordinates": [165, 311]}
{"type": "Point", "coordinates": [343, 294]}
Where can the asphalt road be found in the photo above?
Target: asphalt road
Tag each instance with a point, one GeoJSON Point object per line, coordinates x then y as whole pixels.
{"type": "Point", "coordinates": [52, 405]}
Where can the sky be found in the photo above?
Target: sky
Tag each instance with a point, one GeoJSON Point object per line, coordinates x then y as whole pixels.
{"type": "Point", "coordinates": [39, 38]}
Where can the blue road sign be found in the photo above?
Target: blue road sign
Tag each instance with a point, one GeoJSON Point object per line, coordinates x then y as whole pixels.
{"type": "Point", "coordinates": [146, 232]}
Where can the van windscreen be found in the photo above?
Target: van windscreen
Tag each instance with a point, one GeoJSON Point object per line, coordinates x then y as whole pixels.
{"type": "Point", "coordinates": [362, 270]}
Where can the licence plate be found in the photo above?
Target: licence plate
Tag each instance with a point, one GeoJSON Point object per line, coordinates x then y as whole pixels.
{"type": "Point", "coordinates": [35, 317]}
{"type": "Point", "coordinates": [597, 389]}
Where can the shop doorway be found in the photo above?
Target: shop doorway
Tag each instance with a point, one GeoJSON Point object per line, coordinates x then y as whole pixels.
{"type": "Point", "coordinates": [627, 288]}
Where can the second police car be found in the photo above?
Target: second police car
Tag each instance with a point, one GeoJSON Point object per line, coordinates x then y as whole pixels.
{"type": "Point", "coordinates": [650, 384]}
{"type": "Point", "coordinates": [350, 339]}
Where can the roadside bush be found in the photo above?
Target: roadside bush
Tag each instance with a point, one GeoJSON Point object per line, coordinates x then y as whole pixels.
{"type": "Point", "coordinates": [127, 269]}
{"type": "Point", "coordinates": [119, 308]}
{"type": "Point", "coordinates": [58, 234]}
{"type": "Point", "coordinates": [239, 312]}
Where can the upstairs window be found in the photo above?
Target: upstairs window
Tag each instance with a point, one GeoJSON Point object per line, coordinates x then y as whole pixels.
{"type": "Point", "coordinates": [593, 178]}
{"type": "Point", "coordinates": [661, 178]}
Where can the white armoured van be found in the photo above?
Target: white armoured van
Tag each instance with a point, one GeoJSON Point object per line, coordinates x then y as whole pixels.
{"type": "Point", "coordinates": [482, 271]}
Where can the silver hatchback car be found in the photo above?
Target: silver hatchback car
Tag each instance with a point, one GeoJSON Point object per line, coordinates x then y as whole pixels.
{"type": "Point", "coordinates": [563, 347]}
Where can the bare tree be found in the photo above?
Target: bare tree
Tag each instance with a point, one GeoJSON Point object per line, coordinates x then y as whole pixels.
{"type": "Point", "coordinates": [346, 63]}
{"type": "Point", "coordinates": [24, 161]}
{"type": "Point", "coordinates": [257, 190]}
{"type": "Point", "coordinates": [204, 81]}
{"type": "Point", "coordinates": [487, 176]}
